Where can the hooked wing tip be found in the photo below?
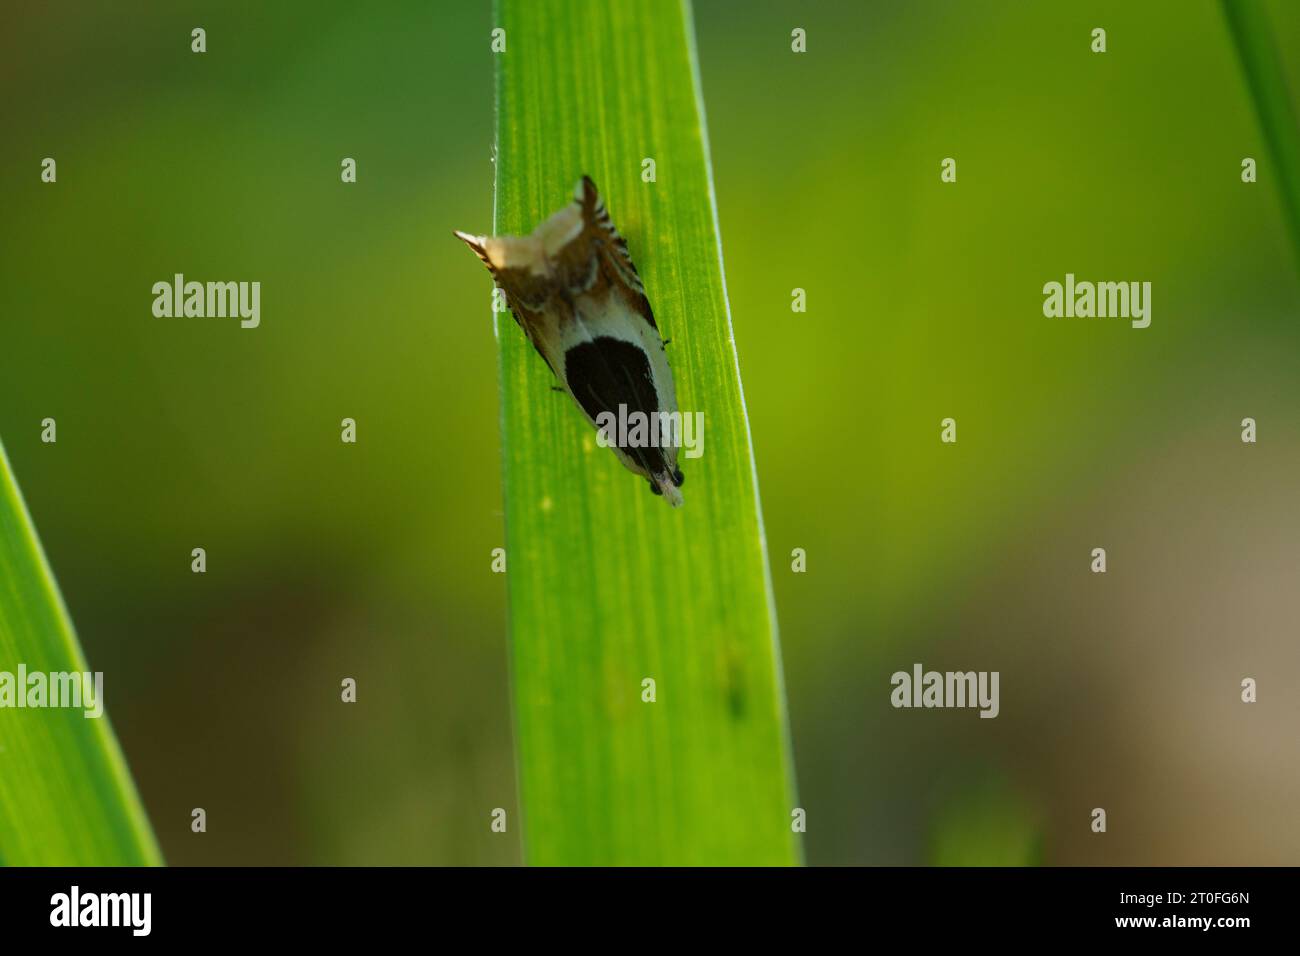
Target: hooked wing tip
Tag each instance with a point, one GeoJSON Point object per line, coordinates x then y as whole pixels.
{"type": "Point", "coordinates": [585, 192]}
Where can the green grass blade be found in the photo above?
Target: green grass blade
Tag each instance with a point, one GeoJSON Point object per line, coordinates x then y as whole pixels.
{"type": "Point", "coordinates": [66, 797]}
{"type": "Point", "coordinates": [1262, 64]}
{"type": "Point", "coordinates": [608, 584]}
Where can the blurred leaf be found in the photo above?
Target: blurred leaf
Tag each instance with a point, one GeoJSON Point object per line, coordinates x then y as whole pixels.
{"type": "Point", "coordinates": [66, 796]}
{"type": "Point", "coordinates": [987, 823]}
{"type": "Point", "coordinates": [608, 584]}
{"type": "Point", "coordinates": [1253, 37]}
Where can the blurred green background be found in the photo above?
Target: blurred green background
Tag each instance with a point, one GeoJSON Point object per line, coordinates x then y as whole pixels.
{"type": "Point", "coordinates": [924, 301]}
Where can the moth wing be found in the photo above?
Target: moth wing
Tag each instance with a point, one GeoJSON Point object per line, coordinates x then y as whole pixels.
{"type": "Point", "coordinates": [615, 377]}
{"type": "Point", "coordinates": [600, 237]}
{"type": "Point", "coordinates": [526, 295]}
{"type": "Point", "coordinates": [532, 328]}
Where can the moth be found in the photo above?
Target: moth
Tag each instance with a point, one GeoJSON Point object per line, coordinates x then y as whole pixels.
{"type": "Point", "coordinates": [573, 289]}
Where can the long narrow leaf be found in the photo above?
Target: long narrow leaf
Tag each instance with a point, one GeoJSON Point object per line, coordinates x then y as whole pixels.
{"type": "Point", "coordinates": [66, 797]}
{"type": "Point", "coordinates": [1262, 64]}
{"type": "Point", "coordinates": [609, 586]}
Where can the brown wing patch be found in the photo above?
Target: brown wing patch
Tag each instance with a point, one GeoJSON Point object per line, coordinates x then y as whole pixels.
{"type": "Point", "coordinates": [595, 262]}
{"type": "Point", "coordinates": [526, 295]}
{"type": "Point", "coordinates": [611, 248]}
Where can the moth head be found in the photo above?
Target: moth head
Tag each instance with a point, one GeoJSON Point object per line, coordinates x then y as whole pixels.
{"type": "Point", "coordinates": [557, 253]}
{"type": "Point", "coordinates": [526, 254]}
{"type": "Point", "coordinates": [517, 263]}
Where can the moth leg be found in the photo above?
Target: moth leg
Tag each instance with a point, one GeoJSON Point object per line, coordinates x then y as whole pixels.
{"type": "Point", "coordinates": [678, 478]}
{"type": "Point", "coordinates": [556, 388]}
{"type": "Point", "coordinates": [654, 489]}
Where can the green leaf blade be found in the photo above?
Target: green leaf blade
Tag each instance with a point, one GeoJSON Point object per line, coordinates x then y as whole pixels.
{"type": "Point", "coordinates": [66, 796]}
{"type": "Point", "coordinates": [1261, 63]}
{"type": "Point", "coordinates": [608, 584]}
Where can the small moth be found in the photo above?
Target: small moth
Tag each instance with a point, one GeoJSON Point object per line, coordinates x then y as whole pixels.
{"type": "Point", "coordinates": [572, 288]}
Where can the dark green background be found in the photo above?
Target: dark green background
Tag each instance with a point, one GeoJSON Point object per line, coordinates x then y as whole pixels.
{"type": "Point", "coordinates": [371, 561]}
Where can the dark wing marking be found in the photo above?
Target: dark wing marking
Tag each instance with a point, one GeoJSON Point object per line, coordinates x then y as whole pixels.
{"type": "Point", "coordinates": [603, 374]}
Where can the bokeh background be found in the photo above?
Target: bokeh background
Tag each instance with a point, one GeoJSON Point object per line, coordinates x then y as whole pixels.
{"type": "Point", "coordinates": [924, 301]}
